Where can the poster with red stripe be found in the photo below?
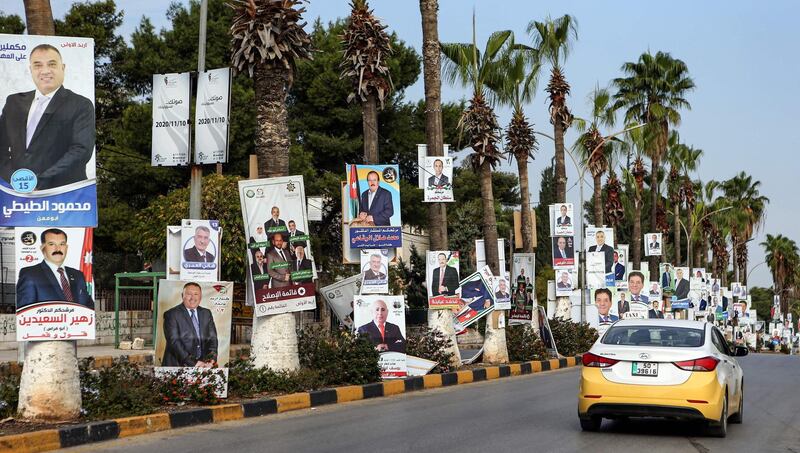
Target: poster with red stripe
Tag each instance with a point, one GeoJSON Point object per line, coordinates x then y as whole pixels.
{"type": "Point", "coordinates": [382, 319]}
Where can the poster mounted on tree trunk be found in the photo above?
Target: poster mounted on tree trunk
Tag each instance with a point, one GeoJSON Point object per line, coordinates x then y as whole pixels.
{"type": "Point", "coordinates": [442, 270]}
{"type": "Point", "coordinates": [653, 244]}
{"type": "Point", "coordinates": [561, 220]}
{"type": "Point", "coordinates": [382, 319]}
{"type": "Point", "coordinates": [373, 206]}
{"type": "Point", "coordinates": [439, 179]}
{"type": "Point", "coordinates": [171, 119]}
{"type": "Point", "coordinates": [280, 257]}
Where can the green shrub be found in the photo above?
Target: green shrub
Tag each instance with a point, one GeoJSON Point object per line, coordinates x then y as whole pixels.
{"type": "Point", "coordinates": [572, 338]}
{"type": "Point", "coordinates": [339, 357]}
{"type": "Point", "coordinates": [432, 345]}
{"type": "Point", "coordinates": [120, 390]}
{"type": "Point", "coordinates": [245, 380]}
{"type": "Point", "coordinates": [523, 345]}
{"type": "Point", "coordinates": [9, 396]}
{"type": "Point", "coordinates": [200, 386]}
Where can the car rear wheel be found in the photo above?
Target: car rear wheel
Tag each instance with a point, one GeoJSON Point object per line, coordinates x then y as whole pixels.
{"type": "Point", "coordinates": [720, 428]}
{"type": "Point", "coordinates": [591, 423]}
{"type": "Point", "coordinates": [737, 417]}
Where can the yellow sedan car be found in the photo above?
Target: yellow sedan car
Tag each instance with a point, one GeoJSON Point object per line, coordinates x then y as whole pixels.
{"type": "Point", "coordinates": [662, 368]}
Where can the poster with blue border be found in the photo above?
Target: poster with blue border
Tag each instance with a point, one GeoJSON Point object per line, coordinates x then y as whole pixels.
{"type": "Point", "coordinates": [372, 210]}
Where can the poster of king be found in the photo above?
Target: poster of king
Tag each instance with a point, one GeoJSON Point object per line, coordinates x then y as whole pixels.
{"type": "Point", "coordinates": [279, 249]}
{"type": "Point", "coordinates": [47, 131]}
{"type": "Point", "coordinates": [373, 206]}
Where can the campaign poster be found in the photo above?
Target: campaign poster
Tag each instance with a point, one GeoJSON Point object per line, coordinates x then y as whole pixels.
{"type": "Point", "coordinates": [279, 248]}
{"type": "Point", "coordinates": [340, 296]}
{"type": "Point", "coordinates": [47, 140]}
{"type": "Point", "coordinates": [666, 277]}
{"type": "Point", "coordinates": [561, 220]}
{"type": "Point", "coordinates": [697, 284]}
{"type": "Point", "coordinates": [374, 271]}
{"type": "Point", "coordinates": [714, 286]}
{"type": "Point", "coordinates": [653, 290]}
{"type": "Point", "coordinates": [480, 254]}
{"type": "Point", "coordinates": [566, 281]}
{"type": "Point", "coordinates": [373, 206]}
{"type": "Point", "coordinates": [352, 255]}
{"type": "Point", "coordinates": [502, 293]}
{"type": "Point", "coordinates": [638, 285]}
{"type": "Point", "coordinates": [174, 252]}
{"type": "Point", "coordinates": [422, 153]}
{"type": "Point", "coordinates": [382, 319]}
{"type": "Point", "coordinates": [523, 270]}
{"type": "Point", "coordinates": [653, 244]}
{"type": "Point", "coordinates": [200, 250]}
{"type": "Point", "coordinates": [438, 179]}
{"type": "Point", "coordinates": [477, 298]}
{"type": "Point", "coordinates": [599, 239]}
{"type": "Point", "coordinates": [620, 266]}
{"type": "Point", "coordinates": [212, 113]}
{"type": "Point", "coordinates": [193, 327]}
{"type": "Point", "coordinates": [171, 119]}
{"type": "Point", "coordinates": [595, 270]}
{"type": "Point", "coordinates": [522, 305]}
{"type": "Point", "coordinates": [55, 287]}
{"type": "Point", "coordinates": [563, 251]}
{"type": "Point", "coordinates": [681, 284]}
{"type": "Point", "coordinates": [442, 279]}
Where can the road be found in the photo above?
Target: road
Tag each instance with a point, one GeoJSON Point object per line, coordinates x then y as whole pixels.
{"type": "Point", "coordinates": [525, 413]}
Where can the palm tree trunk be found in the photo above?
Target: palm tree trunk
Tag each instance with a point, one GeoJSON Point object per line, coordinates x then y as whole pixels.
{"type": "Point", "coordinates": [560, 169]}
{"type": "Point", "coordinates": [49, 387]}
{"type": "Point", "coordinates": [598, 199]}
{"type": "Point", "coordinates": [271, 84]}
{"type": "Point", "coordinates": [636, 251]}
{"type": "Point", "coordinates": [370, 122]}
{"type": "Point", "coordinates": [274, 342]}
{"type": "Point", "coordinates": [735, 263]}
{"type": "Point", "coordinates": [676, 232]}
{"type": "Point", "coordinates": [495, 349]}
{"type": "Point", "coordinates": [434, 135]}
{"type": "Point", "coordinates": [489, 219]}
{"type": "Point", "coordinates": [690, 241]}
{"type": "Point", "coordinates": [525, 196]}
{"type": "Point", "coordinates": [39, 17]}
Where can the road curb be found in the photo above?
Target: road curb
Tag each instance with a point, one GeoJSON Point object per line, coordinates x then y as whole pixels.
{"type": "Point", "coordinates": [87, 433]}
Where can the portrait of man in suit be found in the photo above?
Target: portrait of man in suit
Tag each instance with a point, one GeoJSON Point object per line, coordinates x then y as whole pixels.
{"type": "Point", "coordinates": [258, 271]}
{"type": "Point", "coordinates": [666, 276]}
{"type": "Point", "coordinates": [293, 234]}
{"type": "Point", "coordinates": [502, 294]}
{"type": "Point", "coordinates": [199, 252]}
{"type": "Point", "coordinates": [50, 280]}
{"type": "Point", "coordinates": [386, 336]}
{"type": "Point", "coordinates": [373, 274]}
{"type": "Point", "coordinates": [274, 224]}
{"type": "Point", "coordinates": [49, 130]}
{"type": "Point", "coordinates": [190, 332]}
{"type": "Point", "coordinates": [635, 286]}
{"type": "Point", "coordinates": [438, 179]}
{"type": "Point", "coordinates": [654, 312]}
{"type": "Point", "coordinates": [376, 202]}
{"type": "Point", "coordinates": [278, 266]}
{"type": "Point", "coordinates": [681, 285]}
{"type": "Point", "coordinates": [563, 251]}
{"type": "Point", "coordinates": [602, 299]}
{"type": "Point", "coordinates": [601, 246]}
{"type": "Point", "coordinates": [564, 282]}
{"type": "Point", "coordinates": [301, 263]}
{"type": "Point", "coordinates": [654, 244]}
{"type": "Point", "coordinates": [563, 219]}
{"type": "Point", "coordinates": [619, 267]}
{"type": "Point", "coordinates": [623, 306]}
{"type": "Point", "coordinates": [444, 278]}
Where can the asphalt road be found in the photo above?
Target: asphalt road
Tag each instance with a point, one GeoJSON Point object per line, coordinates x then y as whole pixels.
{"type": "Point", "coordinates": [526, 413]}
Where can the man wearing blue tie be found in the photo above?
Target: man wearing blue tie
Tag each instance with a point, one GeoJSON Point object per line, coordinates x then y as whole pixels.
{"type": "Point", "coordinates": [602, 299]}
{"type": "Point", "coordinates": [635, 286]}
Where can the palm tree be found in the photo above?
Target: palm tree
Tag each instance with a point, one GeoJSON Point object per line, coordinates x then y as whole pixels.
{"type": "Point", "coordinates": [596, 150]}
{"type": "Point", "coordinates": [745, 218]}
{"type": "Point", "coordinates": [653, 91]}
{"type": "Point", "coordinates": [465, 63]}
{"type": "Point", "coordinates": [267, 40]}
{"type": "Point", "coordinates": [553, 39]}
{"type": "Point", "coordinates": [634, 177]}
{"type": "Point", "coordinates": [39, 17]}
{"type": "Point", "coordinates": [682, 159]}
{"type": "Point", "coordinates": [366, 50]}
{"type": "Point", "coordinates": [783, 259]}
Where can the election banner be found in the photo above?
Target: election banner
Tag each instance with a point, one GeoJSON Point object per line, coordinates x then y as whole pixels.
{"type": "Point", "coordinates": [193, 327]}
{"type": "Point", "coordinates": [477, 298]}
{"type": "Point", "coordinates": [382, 319]}
{"type": "Point", "coordinates": [439, 179]}
{"type": "Point", "coordinates": [442, 279]}
{"type": "Point", "coordinates": [212, 113]}
{"type": "Point", "coordinates": [653, 244]}
{"type": "Point", "coordinates": [563, 251]}
{"type": "Point", "coordinates": [620, 266]}
{"type": "Point", "coordinates": [55, 286]}
{"type": "Point", "coordinates": [422, 153]}
{"type": "Point", "coordinates": [171, 119]}
{"type": "Point", "coordinates": [502, 293]}
{"type": "Point", "coordinates": [373, 206]}
{"type": "Point", "coordinates": [47, 131]}
{"type": "Point", "coordinates": [374, 271]}
{"type": "Point", "coordinates": [561, 223]}
{"type": "Point", "coordinates": [340, 296]}
{"type": "Point", "coordinates": [566, 281]}
{"type": "Point", "coordinates": [279, 249]}
{"type": "Point", "coordinates": [200, 250]}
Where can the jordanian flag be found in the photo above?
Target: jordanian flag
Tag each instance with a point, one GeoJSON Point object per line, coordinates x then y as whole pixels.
{"type": "Point", "coordinates": [86, 261]}
{"type": "Point", "coordinates": [353, 191]}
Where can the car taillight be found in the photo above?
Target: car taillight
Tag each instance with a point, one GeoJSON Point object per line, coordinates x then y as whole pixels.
{"type": "Point", "coordinates": [597, 361]}
{"type": "Point", "coordinates": [704, 364]}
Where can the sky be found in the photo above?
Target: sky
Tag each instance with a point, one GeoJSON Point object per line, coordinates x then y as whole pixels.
{"type": "Point", "coordinates": [741, 55]}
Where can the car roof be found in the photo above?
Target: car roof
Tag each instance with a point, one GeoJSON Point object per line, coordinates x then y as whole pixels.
{"type": "Point", "coordinates": [669, 322]}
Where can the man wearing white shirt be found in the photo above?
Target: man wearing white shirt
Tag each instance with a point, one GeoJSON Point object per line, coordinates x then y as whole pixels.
{"type": "Point", "coordinates": [438, 179]}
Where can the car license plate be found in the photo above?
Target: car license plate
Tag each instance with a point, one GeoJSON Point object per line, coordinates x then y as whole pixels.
{"type": "Point", "coordinates": [644, 369]}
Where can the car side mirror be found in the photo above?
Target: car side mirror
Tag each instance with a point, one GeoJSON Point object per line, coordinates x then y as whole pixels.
{"type": "Point", "coordinates": [740, 351]}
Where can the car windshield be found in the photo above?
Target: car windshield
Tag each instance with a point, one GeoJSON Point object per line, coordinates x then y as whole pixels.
{"type": "Point", "coordinates": [667, 336]}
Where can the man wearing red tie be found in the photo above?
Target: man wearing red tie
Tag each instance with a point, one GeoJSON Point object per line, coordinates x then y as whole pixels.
{"type": "Point", "coordinates": [199, 253]}
{"type": "Point", "coordinates": [384, 335]}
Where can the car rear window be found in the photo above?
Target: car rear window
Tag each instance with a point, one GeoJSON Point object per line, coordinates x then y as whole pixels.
{"type": "Point", "coordinates": [674, 337]}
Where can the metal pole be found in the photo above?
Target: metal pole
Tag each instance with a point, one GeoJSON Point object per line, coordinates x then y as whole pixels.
{"type": "Point", "coordinates": [196, 182]}
{"type": "Point", "coordinates": [582, 256]}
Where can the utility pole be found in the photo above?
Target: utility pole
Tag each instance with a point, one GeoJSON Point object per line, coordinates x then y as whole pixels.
{"type": "Point", "coordinates": [196, 181]}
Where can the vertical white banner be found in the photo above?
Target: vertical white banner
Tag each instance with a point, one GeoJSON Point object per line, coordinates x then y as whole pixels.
{"type": "Point", "coordinates": [212, 113]}
{"type": "Point", "coordinates": [171, 95]}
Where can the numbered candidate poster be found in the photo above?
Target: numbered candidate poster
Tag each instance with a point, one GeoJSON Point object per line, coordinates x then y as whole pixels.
{"type": "Point", "coordinates": [442, 279]}
{"type": "Point", "coordinates": [422, 153]}
{"type": "Point", "coordinates": [193, 326]}
{"type": "Point", "coordinates": [522, 288]}
{"type": "Point", "coordinates": [340, 297]}
{"type": "Point", "coordinates": [561, 220]}
{"type": "Point", "coordinates": [566, 281]}
{"type": "Point", "coordinates": [373, 206]}
{"type": "Point", "coordinates": [279, 248]}
{"type": "Point", "coordinates": [653, 244]}
{"type": "Point", "coordinates": [563, 251]}
{"type": "Point", "coordinates": [477, 298]}
{"type": "Point", "coordinates": [200, 250]}
{"type": "Point", "coordinates": [171, 119]}
{"type": "Point", "coordinates": [502, 293]}
{"type": "Point", "coordinates": [382, 319]}
{"type": "Point", "coordinates": [438, 179]}
{"type": "Point", "coordinates": [212, 112]}
{"type": "Point", "coordinates": [55, 287]}
{"type": "Point", "coordinates": [374, 271]}
{"type": "Point", "coordinates": [47, 140]}
{"type": "Point", "coordinates": [601, 240]}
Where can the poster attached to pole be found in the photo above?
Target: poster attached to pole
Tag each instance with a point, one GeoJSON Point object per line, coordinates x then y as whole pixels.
{"type": "Point", "coordinates": [382, 319]}
{"type": "Point", "coordinates": [171, 119]}
{"type": "Point", "coordinates": [442, 270]}
{"type": "Point", "coordinates": [212, 116]}
{"type": "Point", "coordinates": [200, 250]}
